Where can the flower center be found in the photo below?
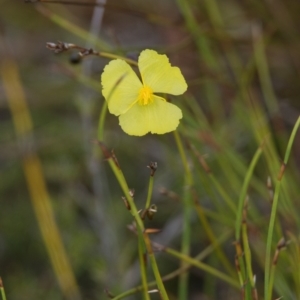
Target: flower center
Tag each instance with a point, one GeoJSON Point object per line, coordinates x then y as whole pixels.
{"type": "Point", "coordinates": [145, 95]}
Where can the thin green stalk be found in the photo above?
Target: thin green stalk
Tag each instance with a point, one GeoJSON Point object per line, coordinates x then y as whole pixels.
{"type": "Point", "coordinates": [218, 23]}
{"type": "Point", "coordinates": [101, 121]}
{"type": "Point", "coordinates": [263, 69]}
{"type": "Point", "coordinates": [3, 296]}
{"type": "Point", "coordinates": [185, 241]}
{"type": "Point", "coordinates": [81, 33]}
{"type": "Point", "coordinates": [206, 52]}
{"type": "Point", "coordinates": [72, 28]}
{"type": "Point", "coordinates": [271, 281]}
{"type": "Point", "coordinates": [150, 191]}
{"type": "Point", "coordinates": [247, 254]}
{"type": "Point", "coordinates": [141, 229]}
{"type": "Point", "coordinates": [244, 265]}
{"type": "Point", "coordinates": [202, 255]}
{"type": "Point", "coordinates": [223, 193]}
{"type": "Point", "coordinates": [269, 241]}
{"type": "Point", "coordinates": [210, 234]}
{"type": "Point", "coordinates": [183, 157]}
{"type": "Point", "coordinates": [241, 204]}
{"type": "Point", "coordinates": [211, 176]}
{"type": "Point", "coordinates": [244, 192]}
{"type": "Point", "coordinates": [202, 266]}
{"type": "Point", "coordinates": [280, 245]}
{"type": "Point", "coordinates": [294, 260]}
{"type": "Point", "coordinates": [157, 276]}
{"type": "Point", "coordinates": [268, 288]}
{"type": "Point", "coordinates": [241, 269]}
{"type": "Point", "coordinates": [186, 231]}
{"type": "Point", "coordinates": [142, 259]}
{"type": "Point", "coordinates": [121, 179]}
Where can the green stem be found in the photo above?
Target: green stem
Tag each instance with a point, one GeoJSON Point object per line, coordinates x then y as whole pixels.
{"type": "Point", "coordinates": [268, 287]}
{"type": "Point", "coordinates": [183, 157]}
{"type": "Point", "coordinates": [271, 280]}
{"type": "Point", "coordinates": [141, 229]}
{"type": "Point", "coordinates": [120, 177]}
{"type": "Point", "coordinates": [142, 259]}
{"type": "Point", "coordinates": [101, 121]}
{"type": "Point", "coordinates": [150, 190]}
{"type": "Point", "coordinates": [247, 253]}
{"type": "Point", "coordinates": [186, 231]}
{"type": "Point", "coordinates": [156, 273]}
{"type": "Point", "coordinates": [202, 255]}
{"type": "Point", "coordinates": [203, 267]}
{"type": "Point", "coordinates": [244, 192]}
{"type": "Point", "coordinates": [3, 296]}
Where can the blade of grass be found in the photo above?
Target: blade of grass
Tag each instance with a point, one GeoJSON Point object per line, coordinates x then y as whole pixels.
{"type": "Point", "coordinates": [72, 28]}
{"type": "Point", "coordinates": [202, 266]}
{"type": "Point", "coordinates": [187, 205]}
{"type": "Point", "coordinates": [243, 192]}
{"type": "Point", "coordinates": [35, 179]}
{"type": "Point", "coordinates": [267, 286]}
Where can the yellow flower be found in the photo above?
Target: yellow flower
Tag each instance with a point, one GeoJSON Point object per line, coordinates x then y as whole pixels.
{"type": "Point", "coordinates": [139, 109]}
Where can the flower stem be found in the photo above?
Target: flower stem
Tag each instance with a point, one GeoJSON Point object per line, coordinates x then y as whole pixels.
{"type": "Point", "coordinates": [142, 259]}
{"type": "Point", "coordinates": [150, 190]}
{"type": "Point", "coordinates": [268, 288]}
{"type": "Point", "coordinates": [201, 256]}
{"type": "Point", "coordinates": [102, 120]}
{"type": "Point", "coordinates": [159, 282]}
{"type": "Point", "coordinates": [244, 192]}
{"type": "Point", "coordinates": [112, 160]}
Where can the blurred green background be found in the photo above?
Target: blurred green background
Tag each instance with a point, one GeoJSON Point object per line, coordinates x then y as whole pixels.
{"type": "Point", "coordinates": [220, 46]}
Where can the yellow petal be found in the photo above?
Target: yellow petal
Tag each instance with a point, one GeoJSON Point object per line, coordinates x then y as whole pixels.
{"type": "Point", "coordinates": [158, 117]}
{"type": "Point", "coordinates": [156, 72]}
{"type": "Point", "coordinates": [120, 86]}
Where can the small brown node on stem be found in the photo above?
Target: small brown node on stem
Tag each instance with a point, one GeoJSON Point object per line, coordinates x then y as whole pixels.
{"type": "Point", "coordinates": [245, 210]}
{"type": "Point", "coordinates": [281, 172]}
{"type": "Point", "coordinates": [1, 283]}
{"type": "Point", "coordinates": [152, 230]}
{"type": "Point", "coordinates": [238, 248]}
{"type": "Point", "coordinates": [149, 212]}
{"type": "Point", "coordinates": [281, 245]}
{"type": "Point", "coordinates": [131, 192]}
{"type": "Point", "coordinates": [254, 294]}
{"type": "Point", "coordinates": [60, 46]}
{"type": "Point", "coordinates": [109, 294]}
{"type": "Point", "coordinates": [169, 194]}
{"type": "Point", "coordinates": [201, 159]}
{"type": "Point", "coordinates": [237, 264]}
{"type": "Point", "coordinates": [113, 156]}
{"type": "Point", "coordinates": [103, 148]}
{"type": "Point", "coordinates": [153, 167]}
{"type": "Point", "coordinates": [143, 214]}
{"type": "Point", "coordinates": [126, 203]}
